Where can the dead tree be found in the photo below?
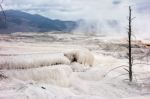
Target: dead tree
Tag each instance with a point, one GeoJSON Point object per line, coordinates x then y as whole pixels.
{"type": "Point", "coordinates": [129, 43]}
{"type": "Point", "coordinates": [3, 12]}
{"type": "Point", "coordinates": [2, 76]}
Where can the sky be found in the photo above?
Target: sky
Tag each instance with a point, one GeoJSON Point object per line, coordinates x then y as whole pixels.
{"type": "Point", "coordinates": [99, 12]}
{"type": "Point", "coordinates": [77, 9]}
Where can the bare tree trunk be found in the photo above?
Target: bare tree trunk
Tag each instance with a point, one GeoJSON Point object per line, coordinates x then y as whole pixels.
{"type": "Point", "coordinates": [129, 41]}
{"type": "Point", "coordinates": [3, 11]}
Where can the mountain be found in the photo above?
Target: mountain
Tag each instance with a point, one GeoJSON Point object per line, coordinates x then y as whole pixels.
{"type": "Point", "coordinates": [18, 21]}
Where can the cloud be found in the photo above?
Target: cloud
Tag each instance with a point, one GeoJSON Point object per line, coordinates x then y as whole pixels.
{"type": "Point", "coordinates": [143, 6]}
{"type": "Point", "coordinates": [78, 9]}
{"type": "Point", "coordinates": [66, 9]}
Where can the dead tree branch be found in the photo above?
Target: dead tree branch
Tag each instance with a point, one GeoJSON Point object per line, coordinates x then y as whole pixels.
{"type": "Point", "coordinates": [3, 11]}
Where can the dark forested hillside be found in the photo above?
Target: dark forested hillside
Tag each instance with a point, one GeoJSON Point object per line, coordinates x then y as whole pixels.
{"type": "Point", "coordinates": [18, 21]}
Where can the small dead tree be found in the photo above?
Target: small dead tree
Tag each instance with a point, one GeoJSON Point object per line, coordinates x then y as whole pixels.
{"type": "Point", "coordinates": [130, 46]}
{"type": "Point", "coordinates": [3, 12]}
{"type": "Point", "coordinates": [2, 76]}
{"type": "Point", "coordinates": [130, 57]}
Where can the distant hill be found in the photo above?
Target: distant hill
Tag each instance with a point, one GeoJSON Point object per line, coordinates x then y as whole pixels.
{"type": "Point", "coordinates": [18, 21]}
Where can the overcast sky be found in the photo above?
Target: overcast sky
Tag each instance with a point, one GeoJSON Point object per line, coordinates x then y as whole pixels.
{"type": "Point", "coordinates": [94, 11]}
{"type": "Point", "coordinates": [78, 9]}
